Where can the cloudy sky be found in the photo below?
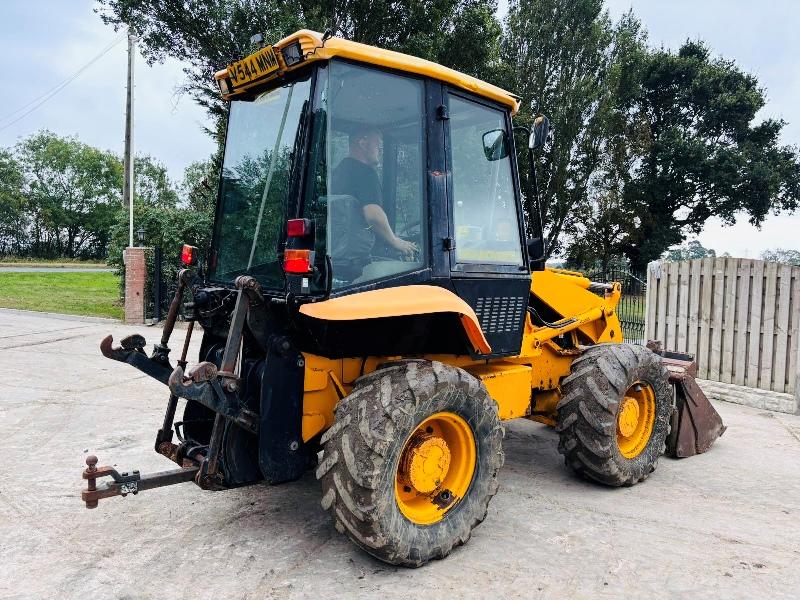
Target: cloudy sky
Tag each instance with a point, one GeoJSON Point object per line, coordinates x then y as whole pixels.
{"type": "Point", "coordinates": [44, 43]}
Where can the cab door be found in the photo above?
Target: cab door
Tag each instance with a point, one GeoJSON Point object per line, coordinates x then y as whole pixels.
{"type": "Point", "coordinates": [488, 259]}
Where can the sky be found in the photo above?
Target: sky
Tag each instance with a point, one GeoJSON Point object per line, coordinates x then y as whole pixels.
{"type": "Point", "coordinates": [48, 41]}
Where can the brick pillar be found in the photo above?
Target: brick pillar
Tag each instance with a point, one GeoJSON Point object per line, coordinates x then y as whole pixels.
{"type": "Point", "coordinates": [135, 277]}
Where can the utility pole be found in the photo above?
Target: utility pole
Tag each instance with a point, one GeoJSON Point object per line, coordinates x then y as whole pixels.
{"type": "Point", "coordinates": [127, 185]}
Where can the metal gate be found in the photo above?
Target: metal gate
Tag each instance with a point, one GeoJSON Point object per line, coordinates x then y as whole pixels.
{"type": "Point", "coordinates": [632, 308]}
{"type": "Point", "coordinates": [162, 281]}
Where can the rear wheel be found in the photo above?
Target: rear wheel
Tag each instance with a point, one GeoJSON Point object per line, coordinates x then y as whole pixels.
{"type": "Point", "coordinates": [411, 462]}
{"type": "Point", "coordinates": [613, 418]}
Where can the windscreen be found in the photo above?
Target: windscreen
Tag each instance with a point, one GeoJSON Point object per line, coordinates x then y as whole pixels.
{"type": "Point", "coordinates": [257, 175]}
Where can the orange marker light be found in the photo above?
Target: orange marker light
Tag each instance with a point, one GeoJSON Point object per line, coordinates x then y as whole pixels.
{"type": "Point", "coordinates": [298, 261]}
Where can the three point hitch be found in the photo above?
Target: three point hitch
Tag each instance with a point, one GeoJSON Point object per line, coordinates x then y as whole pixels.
{"type": "Point", "coordinates": [205, 383]}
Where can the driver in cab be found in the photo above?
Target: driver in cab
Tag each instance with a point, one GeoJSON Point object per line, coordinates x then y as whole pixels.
{"type": "Point", "coordinates": [356, 176]}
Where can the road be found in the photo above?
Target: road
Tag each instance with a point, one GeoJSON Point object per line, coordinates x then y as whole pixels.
{"type": "Point", "coordinates": [24, 269]}
{"type": "Point", "coordinates": [724, 524]}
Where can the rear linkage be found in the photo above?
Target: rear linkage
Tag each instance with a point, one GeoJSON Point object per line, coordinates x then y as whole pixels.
{"type": "Point", "coordinates": [204, 383]}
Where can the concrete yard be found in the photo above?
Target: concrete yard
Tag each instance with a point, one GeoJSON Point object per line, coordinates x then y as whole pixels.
{"type": "Point", "coordinates": [724, 524]}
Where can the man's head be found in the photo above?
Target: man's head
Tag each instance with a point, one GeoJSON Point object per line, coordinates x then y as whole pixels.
{"type": "Point", "coordinates": [366, 144]}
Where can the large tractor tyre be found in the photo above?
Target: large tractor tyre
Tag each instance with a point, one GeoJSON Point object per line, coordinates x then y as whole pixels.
{"type": "Point", "coordinates": [411, 462]}
{"type": "Point", "coordinates": [614, 414]}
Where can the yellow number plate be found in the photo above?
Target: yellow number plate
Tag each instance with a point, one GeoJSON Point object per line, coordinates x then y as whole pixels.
{"type": "Point", "coordinates": [255, 66]}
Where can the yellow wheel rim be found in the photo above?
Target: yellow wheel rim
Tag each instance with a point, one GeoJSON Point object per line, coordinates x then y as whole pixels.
{"type": "Point", "coordinates": [435, 468]}
{"type": "Point", "coordinates": [635, 420]}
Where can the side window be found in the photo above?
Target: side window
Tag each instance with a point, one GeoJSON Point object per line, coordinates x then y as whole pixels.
{"type": "Point", "coordinates": [484, 205]}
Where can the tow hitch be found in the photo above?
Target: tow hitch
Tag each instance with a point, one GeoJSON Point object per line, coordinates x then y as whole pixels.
{"type": "Point", "coordinates": [127, 483]}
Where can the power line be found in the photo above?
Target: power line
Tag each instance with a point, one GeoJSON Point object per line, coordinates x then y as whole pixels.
{"type": "Point", "coordinates": [69, 79]}
{"type": "Point", "coordinates": [40, 100]}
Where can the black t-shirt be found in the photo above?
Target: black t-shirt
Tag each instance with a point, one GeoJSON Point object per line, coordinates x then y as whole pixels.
{"type": "Point", "coordinates": [355, 178]}
{"type": "Point", "coordinates": [351, 237]}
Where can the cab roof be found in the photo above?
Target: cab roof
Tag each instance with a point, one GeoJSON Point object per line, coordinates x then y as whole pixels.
{"type": "Point", "coordinates": [313, 49]}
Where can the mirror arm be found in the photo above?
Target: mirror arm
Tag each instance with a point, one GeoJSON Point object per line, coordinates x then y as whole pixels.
{"type": "Point", "coordinates": [537, 205]}
{"type": "Point", "coordinates": [537, 202]}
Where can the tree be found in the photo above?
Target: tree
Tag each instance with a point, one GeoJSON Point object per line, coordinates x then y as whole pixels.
{"type": "Point", "coordinates": [557, 52]}
{"type": "Point", "coordinates": [72, 193]}
{"type": "Point", "coordinates": [704, 155]}
{"type": "Point", "coordinates": [169, 215]}
{"type": "Point", "coordinates": [691, 250]}
{"type": "Point", "coordinates": [597, 225]}
{"type": "Point", "coordinates": [152, 182]}
{"type": "Point", "coordinates": [198, 190]}
{"type": "Point", "coordinates": [13, 216]}
{"type": "Point", "coordinates": [209, 35]}
{"type": "Point", "coordinates": [783, 255]}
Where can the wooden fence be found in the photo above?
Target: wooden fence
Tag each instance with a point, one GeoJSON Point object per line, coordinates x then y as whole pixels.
{"type": "Point", "coordinates": [739, 317]}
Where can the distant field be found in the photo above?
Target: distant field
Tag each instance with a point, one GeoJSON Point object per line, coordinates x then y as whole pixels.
{"type": "Point", "coordinates": [88, 294]}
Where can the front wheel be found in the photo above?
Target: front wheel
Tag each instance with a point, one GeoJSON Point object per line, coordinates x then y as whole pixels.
{"type": "Point", "coordinates": [614, 415]}
{"type": "Point", "coordinates": [411, 462]}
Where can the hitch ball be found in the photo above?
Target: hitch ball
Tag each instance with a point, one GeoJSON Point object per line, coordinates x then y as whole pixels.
{"type": "Point", "coordinates": [91, 482]}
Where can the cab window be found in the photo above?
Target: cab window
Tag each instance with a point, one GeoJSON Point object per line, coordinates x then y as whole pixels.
{"type": "Point", "coordinates": [366, 196]}
{"type": "Point", "coordinates": [484, 204]}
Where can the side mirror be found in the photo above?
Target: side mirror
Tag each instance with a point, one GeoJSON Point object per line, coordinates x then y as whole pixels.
{"type": "Point", "coordinates": [495, 144]}
{"type": "Point", "coordinates": [539, 132]}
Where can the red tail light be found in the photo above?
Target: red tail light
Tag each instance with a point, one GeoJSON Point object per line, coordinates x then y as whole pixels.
{"type": "Point", "coordinates": [188, 255]}
{"type": "Point", "coordinates": [298, 261]}
{"type": "Point", "coordinates": [298, 227]}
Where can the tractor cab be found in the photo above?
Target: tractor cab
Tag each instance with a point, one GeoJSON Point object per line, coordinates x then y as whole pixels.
{"type": "Point", "coordinates": [348, 168]}
{"type": "Point", "coordinates": [371, 312]}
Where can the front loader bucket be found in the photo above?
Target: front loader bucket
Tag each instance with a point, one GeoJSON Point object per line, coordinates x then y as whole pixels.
{"type": "Point", "coordinates": [695, 423]}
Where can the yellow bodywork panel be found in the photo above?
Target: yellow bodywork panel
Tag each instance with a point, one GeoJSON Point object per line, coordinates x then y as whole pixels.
{"type": "Point", "coordinates": [526, 385]}
{"type": "Point", "coordinates": [313, 49]}
{"type": "Point", "coordinates": [567, 293]}
{"type": "Point", "coordinates": [509, 384]}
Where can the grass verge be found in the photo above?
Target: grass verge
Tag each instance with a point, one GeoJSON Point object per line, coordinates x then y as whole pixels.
{"type": "Point", "coordinates": [88, 294]}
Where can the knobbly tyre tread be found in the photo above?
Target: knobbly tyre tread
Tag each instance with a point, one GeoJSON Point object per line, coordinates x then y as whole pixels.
{"type": "Point", "coordinates": [362, 449]}
{"type": "Point", "coordinates": [587, 413]}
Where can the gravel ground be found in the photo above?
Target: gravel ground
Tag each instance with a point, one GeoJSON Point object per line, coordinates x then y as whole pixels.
{"type": "Point", "coordinates": [724, 524]}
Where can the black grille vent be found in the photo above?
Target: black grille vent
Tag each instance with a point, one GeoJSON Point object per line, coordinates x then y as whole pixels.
{"type": "Point", "coordinates": [500, 314]}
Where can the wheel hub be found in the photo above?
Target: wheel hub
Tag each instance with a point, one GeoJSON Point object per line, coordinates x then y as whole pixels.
{"type": "Point", "coordinates": [636, 419]}
{"type": "Point", "coordinates": [628, 417]}
{"type": "Point", "coordinates": [427, 462]}
{"type": "Point", "coordinates": [435, 468]}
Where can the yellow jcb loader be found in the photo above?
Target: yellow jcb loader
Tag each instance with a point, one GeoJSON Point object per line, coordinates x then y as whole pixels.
{"type": "Point", "coordinates": [372, 309]}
